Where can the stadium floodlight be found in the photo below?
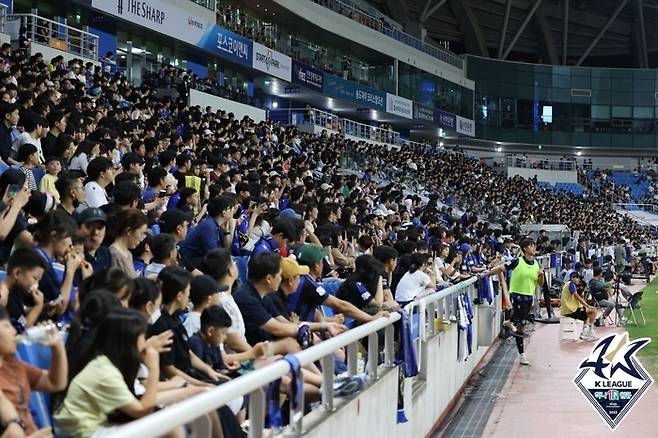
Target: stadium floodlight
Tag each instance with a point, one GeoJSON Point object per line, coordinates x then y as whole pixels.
{"type": "Point", "coordinates": [499, 149]}
{"type": "Point", "coordinates": [579, 153]}
{"type": "Point", "coordinates": [275, 104]}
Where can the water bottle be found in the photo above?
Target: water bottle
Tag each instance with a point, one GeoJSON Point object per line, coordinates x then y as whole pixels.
{"type": "Point", "coordinates": [36, 334]}
{"type": "Point", "coordinates": [360, 363]}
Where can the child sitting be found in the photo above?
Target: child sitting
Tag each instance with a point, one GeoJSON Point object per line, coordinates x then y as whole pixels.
{"type": "Point", "coordinates": [204, 292]}
{"type": "Point", "coordinates": [19, 290]}
{"type": "Point", "coordinates": [47, 185]}
{"type": "Point", "coordinates": [28, 156]}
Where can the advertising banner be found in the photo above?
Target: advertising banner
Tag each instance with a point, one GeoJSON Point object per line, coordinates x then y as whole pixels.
{"type": "Point", "coordinates": [465, 126]}
{"type": "Point", "coordinates": [307, 76]}
{"type": "Point", "coordinates": [158, 16]}
{"type": "Point", "coordinates": [445, 120]}
{"type": "Point", "coordinates": [228, 45]}
{"type": "Point", "coordinates": [356, 93]}
{"type": "Point", "coordinates": [399, 106]}
{"type": "Point", "coordinates": [272, 62]}
{"type": "Point", "coordinates": [423, 112]}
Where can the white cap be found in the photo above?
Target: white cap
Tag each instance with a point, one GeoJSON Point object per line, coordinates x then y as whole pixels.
{"type": "Point", "coordinates": [326, 186]}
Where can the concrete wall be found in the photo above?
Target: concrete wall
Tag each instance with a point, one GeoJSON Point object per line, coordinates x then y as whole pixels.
{"type": "Point", "coordinates": [363, 35]}
{"type": "Point", "coordinates": [550, 176]}
{"type": "Point", "coordinates": [373, 412]}
{"type": "Point", "coordinates": [238, 109]}
{"type": "Point", "coordinates": [49, 53]}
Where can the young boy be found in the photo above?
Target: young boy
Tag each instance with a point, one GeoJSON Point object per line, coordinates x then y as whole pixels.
{"type": "Point", "coordinates": [179, 361]}
{"type": "Point", "coordinates": [28, 156]}
{"type": "Point", "coordinates": [208, 344]}
{"type": "Point", "coordinates": [204, 292]}
{"type": "Point", "coordinates": [47, 185]}
{"type": "Point", "coordinates": [18, 379]}
{"type": "Point", "coordinates": [19, 290]}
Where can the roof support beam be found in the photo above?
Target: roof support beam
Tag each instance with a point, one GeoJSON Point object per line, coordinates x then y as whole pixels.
{"type": "Point", "coordinates": [522, 28]}
{"type": "Point", "coordinates": [428, 11]}
{"type": "Point", "coordinates": [565, 33]}
{"type": "Point", "coordinates": [468, 23]}
{"type": "Point", "coordinates": [644, 58]}
{"type": "Point", "coordinates": [503, 32]}
{"type": "Point", "coordinates": [601, 32]}
{"type": "Point", "coordinates": [549, 51]}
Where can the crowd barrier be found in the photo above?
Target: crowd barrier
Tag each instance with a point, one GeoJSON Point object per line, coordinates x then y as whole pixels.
{"type": "Point", "coordinates": [441, 376]}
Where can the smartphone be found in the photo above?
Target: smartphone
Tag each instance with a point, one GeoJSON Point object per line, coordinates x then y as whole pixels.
{"type": "Point", "coordinates": [13, 190]}
{"type": "Point", "coordinates": [162, 194]}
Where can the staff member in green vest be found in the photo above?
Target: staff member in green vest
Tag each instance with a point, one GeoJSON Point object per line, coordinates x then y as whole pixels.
{"type": "Point", "coordinates": [526, 275]}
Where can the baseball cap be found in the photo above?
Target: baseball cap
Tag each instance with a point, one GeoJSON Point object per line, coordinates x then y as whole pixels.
{"type": "Point", "coordinates": [465, 247]}
{"type": "Point", "coordinates": [290, 268]}
{"type": "Point", "coordinates": [289, 213]}
{"type": "Point", "coordinates": [172, 218]}
{"type": "Point", "coordinates": [575, 274]}
{"type": "Point", "coordinates": [325, 186]}
{"type": "Point", "coordinates": [91, 214]}
{"type": "Point", "coordinates": [310, 254]}
{"type": "Point", "coordinates": [203, 286]}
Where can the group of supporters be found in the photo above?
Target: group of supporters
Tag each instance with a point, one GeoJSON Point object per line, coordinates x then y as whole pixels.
{"type": "Point", "coordinates": [177, 248]}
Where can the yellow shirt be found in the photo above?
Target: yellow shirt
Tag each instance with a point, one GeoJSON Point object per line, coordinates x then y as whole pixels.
{"type": "Point", "coordinates": [47, 185]}
{"type": "Point", "coordinates": [568, 301]}
{"type": "Point", "coordinates": [95, 392]}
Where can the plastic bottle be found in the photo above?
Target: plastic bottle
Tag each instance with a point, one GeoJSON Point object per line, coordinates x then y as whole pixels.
{"type": "Point", "coordinates": [36, 334]}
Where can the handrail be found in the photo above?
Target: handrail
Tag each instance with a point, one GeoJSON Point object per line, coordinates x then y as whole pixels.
{"type": "Point", "coordinates": [541, 163]}
{"type": "Point", "coordinates": [45, 31]}
{"type": "Point", "coordinates": [165, 420]}
{"type": "Point", "coordinates": [3, 17]}
{"type": "Point", "coordinates": [368, 20]}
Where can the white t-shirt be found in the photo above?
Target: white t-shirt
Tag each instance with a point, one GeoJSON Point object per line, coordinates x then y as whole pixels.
{"type": "Point", "coordinates": [95, 195]}
{"type": "Point", "coordinates": [192, 323]}
{"type": "Point", "coordinates": [257, 232]}
{"type": "Point", "coordinates": [26, 138]}
{"type": "Point", "coordinates": [231, 307]}
{"type": "Point", "coordinates": [411, 285]}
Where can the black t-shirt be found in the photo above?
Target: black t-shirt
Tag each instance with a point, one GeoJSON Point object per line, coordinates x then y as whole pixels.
{"type": "Point", "coordinates": [16, 310]}
{"type": "Point", "coordinates": [179, 355]}
{"type": "Point", "coordinates": [308, 297]}
{"type": "Point", "coordinates": [355, 293]}
{"type": "Point", "coordinates": [277, 304]}
{"type": "Point", "coordinates": [48, 145]}
{"type": "Point", "coordinates": [254, 313]}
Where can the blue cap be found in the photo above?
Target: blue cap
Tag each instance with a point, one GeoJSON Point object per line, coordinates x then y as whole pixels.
{"type": "Point", "coordinates": [465, 247]}
{"type": "Point", "coordinates": [289, 213]}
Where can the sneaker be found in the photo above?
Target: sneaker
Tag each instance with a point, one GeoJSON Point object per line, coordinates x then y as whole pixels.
{"type": "Point", "coordinates": [509, 326]}
{"type": "Point", "coordinates": [523, 360]}
{"type": "Point", "coordinates": [592, 336]}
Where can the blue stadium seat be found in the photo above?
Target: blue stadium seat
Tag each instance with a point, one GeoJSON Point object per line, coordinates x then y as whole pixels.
{"type": "Point", "coordinates": [242, 264]}
{"type": "Point", "coordinates": [38, 356]}
{"type": "Point", "coordinates": [38, 175]}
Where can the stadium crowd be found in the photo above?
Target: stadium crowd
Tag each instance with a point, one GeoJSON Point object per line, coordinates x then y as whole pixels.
{"type": "Point", "coordinates": [124, 214]}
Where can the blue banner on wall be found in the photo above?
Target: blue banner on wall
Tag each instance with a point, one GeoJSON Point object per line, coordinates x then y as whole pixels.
{"type": "Point", "coordinates": [445, 120]}
{"type": "Point", "coordinates": [359, 94]}
{"type": "Point", "coordinates": [307, 76]}
{"type": "Point", "coordinates": [228, 45]}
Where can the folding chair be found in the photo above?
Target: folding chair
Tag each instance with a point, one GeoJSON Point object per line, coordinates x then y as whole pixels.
{"type": "Point", "coordinates": [633, 305]}
{"type": "Point", "coordinates": [602, 310]}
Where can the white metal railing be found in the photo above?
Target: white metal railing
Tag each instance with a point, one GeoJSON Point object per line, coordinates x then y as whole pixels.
{"type": "Point", "coordinates": [637, 207]}
{"type": "Point", "coordinates": [383, 27]}
{"type": "Point", "coordinates": [368, 132]}
{"type": "Point", "coordinates": [58, 35]}
{"type": "Point", "coordinates": [3, 17]}
{"type": "Point", "coordinates": [252, 384]}
{"type": "Point", "coordinates": [540, 163]}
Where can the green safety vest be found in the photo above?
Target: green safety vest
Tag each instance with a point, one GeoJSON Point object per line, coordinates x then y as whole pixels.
{"type": "Point", "coordinates": [524, 278]}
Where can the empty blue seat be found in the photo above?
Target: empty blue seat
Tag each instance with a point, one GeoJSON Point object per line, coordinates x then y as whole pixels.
{"type": "Point", "coordinates": [38, 356]}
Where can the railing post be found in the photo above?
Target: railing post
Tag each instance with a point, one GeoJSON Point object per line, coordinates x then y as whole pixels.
{"type": "Point", "coordinates": [256, 413]}
{"type": "Point", "coordinates": [389, 354]}
{"type": "Point", "coordinates": [328, 382]}
{"type": "Point", "coordinates": [373, 353]}
{"type": "Point", "coordinates": [352, 358]}
{"type": "Point", "coordinates": [296, 416]}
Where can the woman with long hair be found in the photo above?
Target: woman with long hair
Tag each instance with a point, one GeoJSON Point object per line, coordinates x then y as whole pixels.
{"type": "Point", "coordinates": [85, 152]}
{"type": "Point", "coordinates": [418, 278]}
{"type": "Point", "coordinates": [364, 287]}
{"type": "Point", "coordinates": [102, 384]}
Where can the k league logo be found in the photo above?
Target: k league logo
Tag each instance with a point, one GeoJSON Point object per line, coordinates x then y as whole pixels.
{"type": "Point", "coordinates": [612, 379]}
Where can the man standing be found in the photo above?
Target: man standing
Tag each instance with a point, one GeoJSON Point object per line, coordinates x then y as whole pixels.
{"type": "Point", "coordinates": [526, 275]}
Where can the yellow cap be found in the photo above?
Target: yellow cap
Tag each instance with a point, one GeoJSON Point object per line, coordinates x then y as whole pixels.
{"type": "Point", "coordinates": [290, 268]}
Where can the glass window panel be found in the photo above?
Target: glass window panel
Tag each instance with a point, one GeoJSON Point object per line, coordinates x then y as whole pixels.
{"type": "Point", "coordinates": [643, 112]}
{"type": "Point", "coordinates": [600, 111]}
{"type": "Point", "coordinates": [621, 111]}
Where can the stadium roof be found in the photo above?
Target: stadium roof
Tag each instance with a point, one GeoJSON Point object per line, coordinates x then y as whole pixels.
{"type": "Point", "coordinates": [610, 33]}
